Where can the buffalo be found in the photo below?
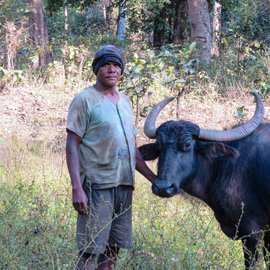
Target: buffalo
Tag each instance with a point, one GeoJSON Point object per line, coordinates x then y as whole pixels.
{"type": "Point", "coordinates": [229, 170]}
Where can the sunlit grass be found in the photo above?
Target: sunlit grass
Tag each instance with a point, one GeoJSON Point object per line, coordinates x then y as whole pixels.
{"type": "Point", "coordinates": [38, 222]}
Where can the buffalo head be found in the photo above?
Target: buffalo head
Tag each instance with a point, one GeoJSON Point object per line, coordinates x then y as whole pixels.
{"type": "Point", "coordinates": [182, 147]}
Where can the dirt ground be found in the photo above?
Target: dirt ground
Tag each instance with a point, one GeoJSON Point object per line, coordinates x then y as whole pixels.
{"type": "Point", "coordinates": [39, 113]}
{"type": "Point", "coordinates": [34, 114]}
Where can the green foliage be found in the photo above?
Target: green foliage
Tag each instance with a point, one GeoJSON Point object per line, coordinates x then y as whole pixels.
{"type": "Point", "coordinates": [245, 41]}
{"type": "Point", "coordinates": [55, 5]}
{"type": "Point", "coordinates": [176, 66]}
{"type": "Point", "coordinates": [159, 73]}
{"type": "Point", "coordinates": [250, 19]}
{"type": "Point", "coordinates": [138, 77]}
{"type": "Point", "coordinates": [75, 61]}
{"type": "Point", "coordinates": [35, 211]}
{"type": "Point", "coordinates": [250, 68]}
{"type": "Point", "coordinates": [146, 16]}
{"type": "Point", "coordinates": [76, 33]}
{"type": "Point", "coordinates": [264, 88]}
{"type": "Point", "coordinates": [12, 78]}
{"type": "Point", "coordinates": [171, 66]}
{"type": "Point", "coordinates": [38, 222]}
{"type": "Point", "coordinates": [13, 10]}
{"type": "Point", "coordinates": [152, 72]}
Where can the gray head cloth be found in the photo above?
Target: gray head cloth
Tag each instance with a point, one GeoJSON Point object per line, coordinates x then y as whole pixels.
{"type": "Point", "coordinates": [107, 53]}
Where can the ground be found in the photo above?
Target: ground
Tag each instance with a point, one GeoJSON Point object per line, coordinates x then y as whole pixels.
{"type": "Point", "coordinates": [38, 113]}
{"type": "Point", "coordinates": [34, 114]}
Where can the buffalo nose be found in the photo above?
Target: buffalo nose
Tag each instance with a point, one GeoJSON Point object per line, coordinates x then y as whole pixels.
{"type": "Point", "coordinates": [164, 189]}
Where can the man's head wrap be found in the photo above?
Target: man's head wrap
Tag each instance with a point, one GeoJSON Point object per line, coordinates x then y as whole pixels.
{"type": "Point", "coordinates": [107, 53]}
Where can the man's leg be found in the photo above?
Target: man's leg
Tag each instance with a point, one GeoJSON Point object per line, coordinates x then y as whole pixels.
{"type": "Point", "coordinates": [93, 229]}
{"type": "Point", "coordinates": [121, 222]}
{"type": "Point", "coordinates": [107, 260]}
{"type": "Point", "coordinates": [86, 262]}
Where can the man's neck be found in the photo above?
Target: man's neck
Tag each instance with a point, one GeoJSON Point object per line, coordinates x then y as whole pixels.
{"type": "Point", "coordinates": [105, 90]}
{"type": "Point", "coordinates": [111, 93]}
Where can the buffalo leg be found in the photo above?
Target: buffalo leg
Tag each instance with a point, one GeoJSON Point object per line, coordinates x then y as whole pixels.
{"type": "Point", "coordinates": [250, 251]}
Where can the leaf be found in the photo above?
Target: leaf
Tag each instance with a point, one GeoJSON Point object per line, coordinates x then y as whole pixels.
{"type": "Point", "coordinates": [192, 46]}
{"type": "Point", "coordinates": [241, 112]}
{"type": "Point", "coordinates": [257, 44]}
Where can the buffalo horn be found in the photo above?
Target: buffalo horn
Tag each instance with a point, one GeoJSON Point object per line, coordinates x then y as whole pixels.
{"type": "Point", "coordinates": [237, 132]}
{"type": "Point", "coordinates": [207, 134]}
{"type": "Point", "coordinates": [150, 122]}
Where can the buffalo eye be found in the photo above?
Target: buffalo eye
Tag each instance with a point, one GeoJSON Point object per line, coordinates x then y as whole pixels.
{"type": "Point", "coordinates": [187, 146]}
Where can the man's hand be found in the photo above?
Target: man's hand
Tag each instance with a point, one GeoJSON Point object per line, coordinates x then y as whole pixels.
{"type": "Point", "coordinates": [80, 200]}
{"type": "Point", "coordinates": [142, 167]}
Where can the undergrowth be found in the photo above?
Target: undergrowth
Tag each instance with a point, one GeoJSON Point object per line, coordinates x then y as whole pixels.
{"type": "Point", "coordinates": [38, 222]}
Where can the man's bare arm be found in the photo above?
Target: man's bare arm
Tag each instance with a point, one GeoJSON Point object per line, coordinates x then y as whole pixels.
{"type": "Point", "coordinates": [142, 167]}
{"type": "Point", "coordinates": [79, 197]}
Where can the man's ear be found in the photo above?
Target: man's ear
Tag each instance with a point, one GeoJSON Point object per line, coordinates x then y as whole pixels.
{"type": "Point", "coordinates": [149, 151]}
{"type": "Point", "coordinates": [213, 150]}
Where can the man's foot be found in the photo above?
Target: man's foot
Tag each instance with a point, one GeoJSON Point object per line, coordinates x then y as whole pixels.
{"type": "Point", "coordinates": [86, 262]}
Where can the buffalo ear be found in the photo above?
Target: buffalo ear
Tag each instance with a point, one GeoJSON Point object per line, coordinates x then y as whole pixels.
{"type": "Point", "coordinates": [149, 151]}
{"type": "Point", "coordinates": [213, 150]}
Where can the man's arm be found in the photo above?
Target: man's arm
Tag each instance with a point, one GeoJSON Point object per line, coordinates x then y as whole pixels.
{"type": "Point", "coordinates": [142, 167]}
{"type": "Point", "coordinates": [79, 197]}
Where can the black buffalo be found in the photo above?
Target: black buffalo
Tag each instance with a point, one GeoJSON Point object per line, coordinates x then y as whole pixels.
{"type": "Point", "coordinates": [229, 170]}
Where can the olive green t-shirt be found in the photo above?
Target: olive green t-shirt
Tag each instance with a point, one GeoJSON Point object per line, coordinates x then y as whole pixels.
{"type": "Point", "coordinates": [107, 150]}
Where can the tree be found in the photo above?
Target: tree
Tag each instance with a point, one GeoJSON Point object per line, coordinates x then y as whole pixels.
{"type": "Point", "coordinates": [200, 29]}
{"type": "Point", "coordinates": [13, 17]}
{"type": "Point", "coordinates": [181, 10]}
{"type": "Point", "coordinates": [151, 20]}
{"type": "Point", "coordinates": [106, 6]}
{"type": "Point", "coordinates": [159, 28]}
{"type": "Point", "coordinates": [13, 40]}
{"type": "Point", "coordinates": [38, 33]}
{"type": "Point", "coordinates": [163, 22]}
{"type": "Point", "coordinates": [121, 25]}
{"type": "Point", "coordinates": [216, 28]}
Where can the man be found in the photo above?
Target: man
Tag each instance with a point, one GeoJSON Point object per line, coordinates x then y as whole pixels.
{"type": "Point", "coordinates": [101, 159]}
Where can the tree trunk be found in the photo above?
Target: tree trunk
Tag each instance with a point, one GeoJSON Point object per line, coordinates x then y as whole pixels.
{"type": "Point", "coordinates": [121, 26]}
{"type": "Point", "coordinates": [66, 26]}
{"type": "Point", "coordinates": [13, 40]}
{"type": "Point", "coordinates": [180, 18]}
{"type": "Point", "coordinates": [157, 39]}
{"type": "Point", "coordinates": [106, 15]}
{"type": "Point", "coordinates": [159, 29]}
{"type": "Point", "coordinates": [216, 29]}
{"type": "Point", "coordinates": [38, 33]}
{"type": "Point", "coordinates": [200, 29]}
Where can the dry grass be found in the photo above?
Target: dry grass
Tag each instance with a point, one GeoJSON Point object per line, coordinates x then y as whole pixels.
{"type": "Point", "coordinates": [37, 220]}
{"type": "Point", "coordinates": [38, 112]}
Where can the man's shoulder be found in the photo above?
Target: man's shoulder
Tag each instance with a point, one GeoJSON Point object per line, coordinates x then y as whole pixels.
{"type": "Point", "coordinates": [87, 93]}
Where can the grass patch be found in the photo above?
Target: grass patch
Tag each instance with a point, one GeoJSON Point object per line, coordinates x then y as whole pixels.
{"type": "Point", "coordinates": [36, 217]}
{"type": "Point", "coordinates": [38, 222]}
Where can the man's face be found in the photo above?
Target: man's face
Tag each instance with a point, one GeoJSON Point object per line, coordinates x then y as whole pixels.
{"type": "Point", "coordinates": [109, 74]}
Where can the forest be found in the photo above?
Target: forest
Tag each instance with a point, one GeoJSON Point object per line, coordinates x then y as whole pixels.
{"type": "Point", "coordinates": [209, 54]}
